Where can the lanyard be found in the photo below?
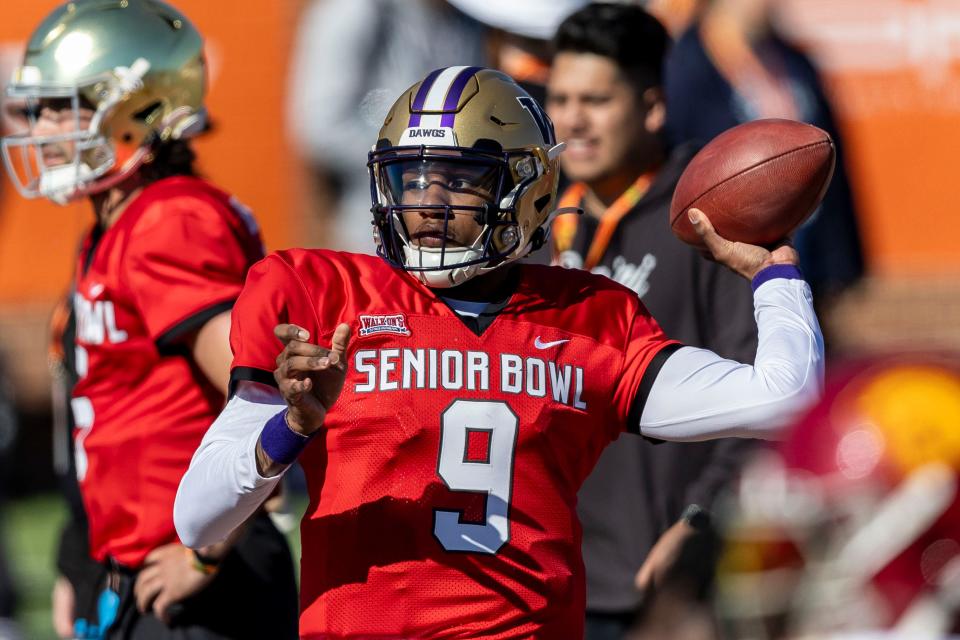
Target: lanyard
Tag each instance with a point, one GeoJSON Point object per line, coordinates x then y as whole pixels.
{"type": "Point", "coordinates": [564, 227]}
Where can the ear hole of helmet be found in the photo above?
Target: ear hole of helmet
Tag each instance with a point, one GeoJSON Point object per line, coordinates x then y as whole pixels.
{"type": "Point", "coordinates": [149, 112]}
{"type": "Point", "coordinates": [538, 238]}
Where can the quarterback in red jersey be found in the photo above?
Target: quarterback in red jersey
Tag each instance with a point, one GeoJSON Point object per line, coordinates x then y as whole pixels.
{"type": "Point", "coordinates": [461, 396]}
{"type": "Point", "coordinates": [113, 91]}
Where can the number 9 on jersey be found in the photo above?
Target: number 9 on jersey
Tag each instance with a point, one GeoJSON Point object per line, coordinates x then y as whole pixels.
{"type": "Point", "coordinates": [496, 425]}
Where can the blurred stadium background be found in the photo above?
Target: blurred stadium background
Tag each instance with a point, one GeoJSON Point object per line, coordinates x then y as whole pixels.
{"type": "Point", "coordinates": [892, 69]}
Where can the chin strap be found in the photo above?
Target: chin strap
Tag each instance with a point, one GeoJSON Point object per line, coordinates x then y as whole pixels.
{"type": "Point", "coordinates": [112, 179]}
{"type": "Point", "coordinates": [562, 210]}
{"type": "Point", "coordinates": [547, 227]}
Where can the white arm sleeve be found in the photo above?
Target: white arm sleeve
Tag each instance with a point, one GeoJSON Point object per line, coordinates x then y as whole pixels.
{"type": "Point", "coordinates": [222, 486]}
{"type": "Point", "coordinates": [697, 395]}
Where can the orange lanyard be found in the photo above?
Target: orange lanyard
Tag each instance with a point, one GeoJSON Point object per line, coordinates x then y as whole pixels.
{"type": "Point", "coordinates": [564, 227]}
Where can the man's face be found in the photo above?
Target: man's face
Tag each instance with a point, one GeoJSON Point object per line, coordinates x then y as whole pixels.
{"type": "Point", "coordinates": [445, 183]}
{"type": "Point", "coordinates": [608, 128]}
{"type": "Point", "coordinates": [56, 117]}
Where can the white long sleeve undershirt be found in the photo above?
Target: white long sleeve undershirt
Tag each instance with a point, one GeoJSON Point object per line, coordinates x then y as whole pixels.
{"type": "Point", "coordinates": [222, 486]}
{"type": "Point", "coordinates": [696, 395]}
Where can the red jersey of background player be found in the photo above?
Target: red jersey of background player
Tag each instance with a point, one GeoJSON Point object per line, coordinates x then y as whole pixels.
{"type": "Point", "coordinates": [176, 258]}
{"type": "Point", "coordinates": [442, 486]}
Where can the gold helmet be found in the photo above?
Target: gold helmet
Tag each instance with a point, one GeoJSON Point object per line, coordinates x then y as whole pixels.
{"type": "Point", "coordinates": [478, 121]}
{"type": "Point", "coordinates": [136, 65]}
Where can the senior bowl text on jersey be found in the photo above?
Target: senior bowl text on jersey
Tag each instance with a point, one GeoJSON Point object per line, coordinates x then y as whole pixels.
{"type": "Point", "coordinates": [452, 370]}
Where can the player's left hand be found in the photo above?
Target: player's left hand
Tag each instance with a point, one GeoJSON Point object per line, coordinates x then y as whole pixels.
{"type": "Point", "coordinates": [663, 556]}
{"type": "Point", "coordinates": [310, 377]}
{"type": "Point", "coordinates": [168, 576]}
{"type": "Point", "coordinates": [746, 259]}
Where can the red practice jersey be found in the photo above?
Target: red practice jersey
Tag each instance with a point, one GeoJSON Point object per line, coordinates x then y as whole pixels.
{"type": "Point", "coordinates": [176, 257]}
{"type": "Point", "coordinates": [443, 484]}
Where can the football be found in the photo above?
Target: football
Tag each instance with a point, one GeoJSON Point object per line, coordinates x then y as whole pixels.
{"type": "Point", "coordinates": [757, 182]}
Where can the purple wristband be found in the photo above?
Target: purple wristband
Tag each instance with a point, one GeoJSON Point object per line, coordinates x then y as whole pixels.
{"type": "Point", "coordinates": [280, 442]}
{"type": "Point", "coordinates": [788, 271]}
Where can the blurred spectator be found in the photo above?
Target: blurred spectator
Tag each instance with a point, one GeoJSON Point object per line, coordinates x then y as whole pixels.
{"type": "Point", "coordinates": [351, 58]}
{"type": "Point", "coordinates": [518, 39]}
{"type": "Point", "coordinates": [730, 67]}
{"type": "Point", "coordinates": [850, 527]}
{"type": "Point", "coordinates": [676, 15]}
{"type": "Point", "coordinates": [645, 507]}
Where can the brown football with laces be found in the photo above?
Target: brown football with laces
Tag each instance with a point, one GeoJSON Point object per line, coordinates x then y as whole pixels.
{"type": "Point", "coordinates": [757, 182]}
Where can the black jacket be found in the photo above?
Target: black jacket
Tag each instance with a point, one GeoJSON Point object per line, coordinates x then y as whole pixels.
{"type": "Point", "coordinates": [639, 489]}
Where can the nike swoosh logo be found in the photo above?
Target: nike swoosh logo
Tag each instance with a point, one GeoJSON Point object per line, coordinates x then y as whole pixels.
{"type": "Point", "coordinates": [539, 344]}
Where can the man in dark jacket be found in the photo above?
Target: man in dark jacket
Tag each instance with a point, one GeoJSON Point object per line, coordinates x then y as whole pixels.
{"type": "Point", "coordinates": [731, 66]}
{"type": "Point", "coordinates": [605, 98]}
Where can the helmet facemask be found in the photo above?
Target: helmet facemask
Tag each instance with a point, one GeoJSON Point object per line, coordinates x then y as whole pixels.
{"type": "Point", "coordinates": [92, 164]}
{"type": "Point", "coordinates": [442, 184]}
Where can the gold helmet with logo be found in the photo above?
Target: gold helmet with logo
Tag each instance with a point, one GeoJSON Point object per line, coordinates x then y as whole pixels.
{"type": "Point", "coordinates": [478, 125]}
{"type": "Point", "coordinates": [134, 67]}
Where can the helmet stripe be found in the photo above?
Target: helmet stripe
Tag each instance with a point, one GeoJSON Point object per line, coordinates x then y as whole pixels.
{"type": "Point", "coordinates": [453, 95]}
{"type": "Point", "coordinates": [441, 84]}
{"type": "Point", "coordinates": [421, 97]}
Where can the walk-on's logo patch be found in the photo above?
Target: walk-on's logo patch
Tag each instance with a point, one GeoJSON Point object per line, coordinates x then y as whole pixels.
{"type": "Point", "coordinates": [372, 325]}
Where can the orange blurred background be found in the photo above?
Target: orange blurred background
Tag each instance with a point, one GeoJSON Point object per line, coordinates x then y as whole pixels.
{"type": "Point", "coordinates": [892, 69]}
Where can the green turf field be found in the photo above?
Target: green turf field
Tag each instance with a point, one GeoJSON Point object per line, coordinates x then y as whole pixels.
{"type": "Point", "coordinates": [30, 530]}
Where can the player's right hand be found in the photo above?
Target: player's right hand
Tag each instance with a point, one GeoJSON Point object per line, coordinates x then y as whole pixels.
{"type": "Point", "coordinates": [62, 608]}
{"type": "Point", "coordinates": [310, 377]}
{"type": "Point", "coordinates": [745, 259]}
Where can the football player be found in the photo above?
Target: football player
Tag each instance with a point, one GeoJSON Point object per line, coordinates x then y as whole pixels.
{"type": "Point", "coordinates": [460, 397]}
{"type": "Point", "coordinates": [113, 90]}
{"type": "Point", "coordinates": [850, 527]}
